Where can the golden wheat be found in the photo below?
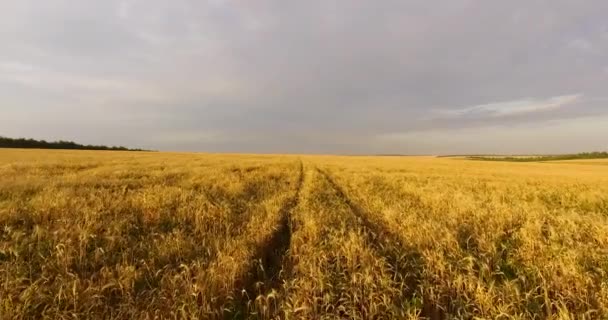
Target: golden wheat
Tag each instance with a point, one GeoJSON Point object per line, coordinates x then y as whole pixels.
{"type": "Point", "coordinates": [126, 235]}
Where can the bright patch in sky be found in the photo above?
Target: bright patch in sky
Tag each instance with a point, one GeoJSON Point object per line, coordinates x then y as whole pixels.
{"type": "Point", "coordinates": [517, 107]}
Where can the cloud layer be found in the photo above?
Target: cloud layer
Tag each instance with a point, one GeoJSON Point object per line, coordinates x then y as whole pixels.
{"type": "Point", "coordinates": [312, 76]}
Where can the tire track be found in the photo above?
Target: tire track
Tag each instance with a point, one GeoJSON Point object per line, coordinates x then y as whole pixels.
{"type": "Point", "coordinates": [405, 260]}
{"type": "Point", "coordinates": [270, 267]}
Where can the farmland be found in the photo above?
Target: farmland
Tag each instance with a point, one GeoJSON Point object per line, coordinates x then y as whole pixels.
{"type": "Point", "coordinates": [127, 235]}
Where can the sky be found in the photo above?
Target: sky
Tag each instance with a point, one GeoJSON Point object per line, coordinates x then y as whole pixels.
{"type": "Point", "coordinates": [315, 76]}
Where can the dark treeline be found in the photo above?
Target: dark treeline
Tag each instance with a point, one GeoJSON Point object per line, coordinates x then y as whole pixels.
{"type": "Point", "coordinates": [42, 144]}
{"type": "Point", "coordinates": [585, 155]}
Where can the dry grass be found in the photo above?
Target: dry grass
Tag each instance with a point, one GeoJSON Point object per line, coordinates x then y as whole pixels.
{"type": "Point", "coordinates": [158, 235]}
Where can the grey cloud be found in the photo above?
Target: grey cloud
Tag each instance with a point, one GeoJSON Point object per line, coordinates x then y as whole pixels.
{"type": "Point", "coordinates": [510, 108]}
{"type": "Point", "coordinates": [308, 76]}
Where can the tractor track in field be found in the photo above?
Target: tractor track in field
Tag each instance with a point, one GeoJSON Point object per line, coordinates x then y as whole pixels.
{"type": "Point", "coordinates": [271, 267]}
{"type": "Point", "coordinates": [405, 261]}
{"type": "Point", "coordinates": [376, 230]}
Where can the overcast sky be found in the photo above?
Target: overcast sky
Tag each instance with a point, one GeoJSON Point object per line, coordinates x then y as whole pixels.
{"type": "Point", "coordinates": [322, 76]}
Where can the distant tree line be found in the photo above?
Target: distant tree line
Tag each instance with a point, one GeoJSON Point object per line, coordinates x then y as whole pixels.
{"type": "Point", "coordinates": [578, 156]}
{"type": "Point", "coordinates": [42, 144]}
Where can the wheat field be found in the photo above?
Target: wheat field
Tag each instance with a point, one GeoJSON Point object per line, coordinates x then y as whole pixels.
{"type": "Point", "coordinates": [129, 235]}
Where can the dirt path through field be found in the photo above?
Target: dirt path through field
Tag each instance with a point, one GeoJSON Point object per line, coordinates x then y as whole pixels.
{"type": "Point", "coordinates": [405, 261]}
{"type": "Point", "coordinates": [271, 268]}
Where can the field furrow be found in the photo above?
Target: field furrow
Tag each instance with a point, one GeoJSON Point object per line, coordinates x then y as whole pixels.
{"type": "Point", "coordinates": [404, 260]}
{"type": "Point", "coordinates": [260, 285]}
{"type": "Point", "coordinates": [337, 273]}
